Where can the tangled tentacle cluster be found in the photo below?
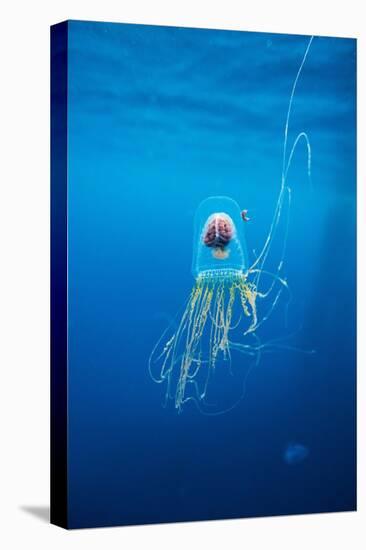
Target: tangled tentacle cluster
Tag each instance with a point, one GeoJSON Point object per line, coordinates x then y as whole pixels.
{"type": "Point", "coordinates": [208, 314]}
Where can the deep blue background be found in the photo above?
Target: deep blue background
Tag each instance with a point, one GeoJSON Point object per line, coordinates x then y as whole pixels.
{"type": "Point", "coordinates": [159, 119]}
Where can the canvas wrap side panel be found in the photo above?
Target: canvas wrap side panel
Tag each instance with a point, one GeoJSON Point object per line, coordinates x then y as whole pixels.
{"type": "Point", "coordinates": [59, 45]}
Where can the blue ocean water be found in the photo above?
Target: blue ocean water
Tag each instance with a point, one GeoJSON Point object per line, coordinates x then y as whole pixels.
{"type": "Point", "coordinates": [159, 119]}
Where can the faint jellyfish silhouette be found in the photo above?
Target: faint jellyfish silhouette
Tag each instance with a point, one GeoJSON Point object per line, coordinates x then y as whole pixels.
{"type": "Point", "coordinates": [295, 453]}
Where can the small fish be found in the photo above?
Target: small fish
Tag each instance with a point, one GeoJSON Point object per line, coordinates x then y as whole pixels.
{"type": "Point", "coordinates": [244, 216]}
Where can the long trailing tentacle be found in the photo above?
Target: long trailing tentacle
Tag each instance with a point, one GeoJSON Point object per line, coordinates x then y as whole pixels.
{"type": "Point", "coordinates": [261, 258]}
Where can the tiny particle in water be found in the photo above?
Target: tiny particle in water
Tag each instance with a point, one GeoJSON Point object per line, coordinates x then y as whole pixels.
{"type": "Point", "coordinates": [295, 453]}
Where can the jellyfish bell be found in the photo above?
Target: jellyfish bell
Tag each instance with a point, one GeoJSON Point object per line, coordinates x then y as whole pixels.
{"type": "Point", "coordinates": [218, 243]}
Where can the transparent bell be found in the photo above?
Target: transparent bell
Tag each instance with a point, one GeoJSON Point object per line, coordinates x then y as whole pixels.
{"type": "Point", "coordinates": [219, 244]}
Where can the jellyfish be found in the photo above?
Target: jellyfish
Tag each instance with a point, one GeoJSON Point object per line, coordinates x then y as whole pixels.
{"type": "Point", "coordinates": [230, 298]}
{"type": "Point", "coordinates": [222, 306]}
{"type": "Point", "coordinates": [295, 453]}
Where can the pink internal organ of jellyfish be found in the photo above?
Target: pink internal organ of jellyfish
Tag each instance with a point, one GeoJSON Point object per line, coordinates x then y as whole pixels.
{"type": "Point", "coordinates": [218, 234]}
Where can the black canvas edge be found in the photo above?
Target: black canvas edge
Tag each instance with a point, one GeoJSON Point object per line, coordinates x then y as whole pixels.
{"type": "Point", "coordinates": [59, 86]}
